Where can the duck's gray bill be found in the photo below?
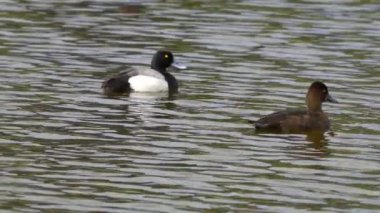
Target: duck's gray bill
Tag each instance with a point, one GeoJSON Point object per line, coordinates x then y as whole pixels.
{"type": "Point", "coordinates": [179, 65]}
{"type": "Point", "coordinates": [330, 99]}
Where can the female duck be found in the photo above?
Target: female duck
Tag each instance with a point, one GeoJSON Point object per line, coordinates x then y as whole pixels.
{"type": "Point", "coordinates": [300, 120]}
{"type": "Point", "coordinates": [153, 79]}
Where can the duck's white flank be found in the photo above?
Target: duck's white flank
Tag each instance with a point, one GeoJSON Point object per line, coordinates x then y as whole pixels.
{"type": "Point", "coordinates": [145, 83]}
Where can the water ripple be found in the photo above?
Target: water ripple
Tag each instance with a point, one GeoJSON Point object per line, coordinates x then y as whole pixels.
{"type": "Point", "coordinates": [66, 147]}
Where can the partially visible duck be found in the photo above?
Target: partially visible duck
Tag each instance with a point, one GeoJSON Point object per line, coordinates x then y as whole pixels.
{"type": "Point", "coordinates": [300, 120]}
{"type": "Point", "coordinates": [153, 79]}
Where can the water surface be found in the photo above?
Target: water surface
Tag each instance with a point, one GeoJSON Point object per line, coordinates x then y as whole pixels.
{"type": "Point", "coordinates": [65, 147]}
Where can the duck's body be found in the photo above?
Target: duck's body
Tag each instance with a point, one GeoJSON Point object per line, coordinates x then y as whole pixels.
{"type": "Point", "coordinates": [141, 79]}
{"type": "Point", "coordinates": [300, 120]}
{"type": "Point", "coordinates": [293, 121]}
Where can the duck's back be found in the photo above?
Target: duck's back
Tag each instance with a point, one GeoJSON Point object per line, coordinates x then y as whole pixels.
{"type": "Point", "coordinates": [293, 121]}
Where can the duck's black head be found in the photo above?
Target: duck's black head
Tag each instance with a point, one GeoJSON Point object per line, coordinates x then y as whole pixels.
{"type": "Point", "coordinates": [162, 60]}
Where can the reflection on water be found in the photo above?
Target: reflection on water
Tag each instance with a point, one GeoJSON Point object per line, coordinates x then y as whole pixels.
{"type": "Point", "coordinates": [318, 139]}
{"type": "Point", "coordinates": [67, 147]}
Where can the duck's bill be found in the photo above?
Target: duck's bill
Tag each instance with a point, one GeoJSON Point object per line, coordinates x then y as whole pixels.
{"type": "Point", "coordinates": [329, 98]}
{"type": "Point", "coordinates": [179, 65]}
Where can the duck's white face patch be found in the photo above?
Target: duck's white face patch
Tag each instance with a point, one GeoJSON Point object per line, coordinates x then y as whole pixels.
{"type": "Point", "coordinates": [144, 83]}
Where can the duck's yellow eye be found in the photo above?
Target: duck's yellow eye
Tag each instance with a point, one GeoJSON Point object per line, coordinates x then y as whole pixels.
{"type": "Point", "coordinates": [324, 91]}
{"type": "Point", "coordinates": [166, 56]}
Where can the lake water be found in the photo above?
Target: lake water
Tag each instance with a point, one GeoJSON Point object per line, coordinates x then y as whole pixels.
{"type": "Point", "coordinates": [64, 147]}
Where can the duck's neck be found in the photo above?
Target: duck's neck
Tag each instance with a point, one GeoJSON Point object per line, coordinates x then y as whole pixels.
{"type": "Point", "coordinates": [172, 82]}
{"type": "Point", "coordinates": [158, 68]}
{"type": "Point", "coordinates": [156, 65]}
{"type": "Point", "coordinates": [313, 106]}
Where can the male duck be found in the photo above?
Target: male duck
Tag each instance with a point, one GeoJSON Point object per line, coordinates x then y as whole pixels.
{"type": "Point", "coordinates": [300, 120]}
{"type": "Point", "coordinates": [153, 79]}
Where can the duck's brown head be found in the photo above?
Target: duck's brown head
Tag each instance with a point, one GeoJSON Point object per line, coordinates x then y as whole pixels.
{"type": "Point", "coordinates": [318, 93]}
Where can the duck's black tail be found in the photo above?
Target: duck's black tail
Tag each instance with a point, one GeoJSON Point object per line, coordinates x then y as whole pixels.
{"type": "Point", "coordinates": [115, 86]}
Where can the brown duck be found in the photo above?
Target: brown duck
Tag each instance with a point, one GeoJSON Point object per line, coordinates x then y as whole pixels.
{"type": "Point", "coordinates": [300, 120]}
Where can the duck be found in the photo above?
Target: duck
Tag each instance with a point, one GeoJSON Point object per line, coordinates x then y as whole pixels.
{"type": "Point", "coordinates": [310, 119]}
{"type": "Point", "coordinates": [145, 79]}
